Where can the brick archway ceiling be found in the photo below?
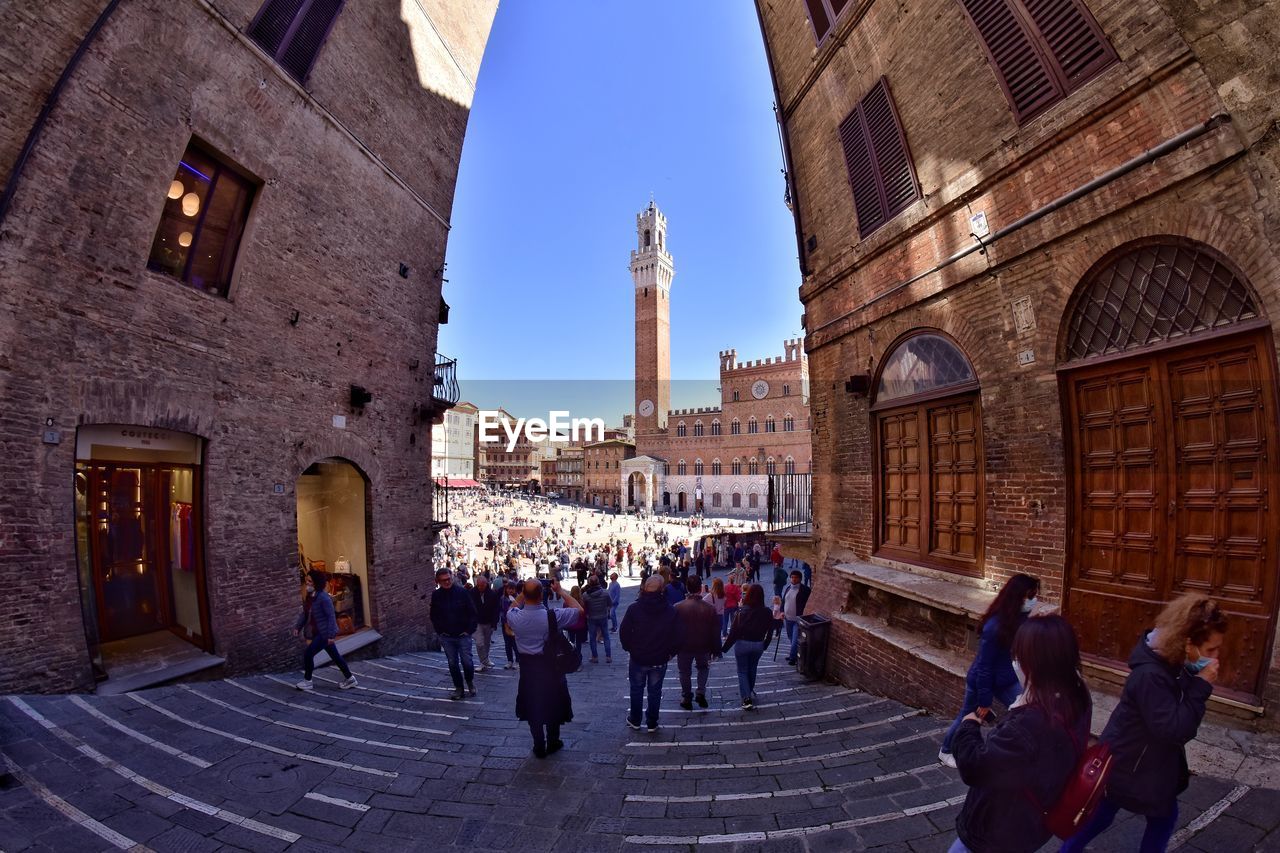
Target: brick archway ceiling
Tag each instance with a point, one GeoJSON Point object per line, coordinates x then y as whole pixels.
{"type": "Point", "coordinates": [1152, 294]}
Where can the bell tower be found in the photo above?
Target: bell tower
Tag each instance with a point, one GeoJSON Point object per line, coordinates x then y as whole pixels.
{"type": "Point", "coordinates": [652, 271]}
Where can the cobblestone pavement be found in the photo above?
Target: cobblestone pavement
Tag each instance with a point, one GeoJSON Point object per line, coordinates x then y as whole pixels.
{"type": "Point", "coordinates": [251, 763]}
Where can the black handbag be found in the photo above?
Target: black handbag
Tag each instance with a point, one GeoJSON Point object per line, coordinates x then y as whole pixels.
{"type": "Point", "coordinates": [564, 657]}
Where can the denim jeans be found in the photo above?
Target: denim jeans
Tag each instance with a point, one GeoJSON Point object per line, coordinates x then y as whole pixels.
{"type": "Point", "coordinates": [685, 661]}
{"type": "Point", "coordinates": [793, 635]}
{"type": "Point", "coordinates": [483, 637]}
{"type": "Point", "coordinates": [957, 846]}
{"type": "Point", "coordinates": [613, 617]}
{"type": "Point", "coordinates": [1154, 839]}
{"type": "Point", "coordinates": [1006, 694]}
{"type": "Point", "coordinates": [601, 627]}
{"type": "Point", "coordinates": [309, 657]}
{"type": "Point", "coordinates": [642, 677]}
{"type": "Point", "coordinates": [727, 620]}
{"type": "Point", "coordinates": [748, 653]}
{"type": "Point", "coordinates": [457, 651]}
{"type": "Point", "coordinates": [510, 643]}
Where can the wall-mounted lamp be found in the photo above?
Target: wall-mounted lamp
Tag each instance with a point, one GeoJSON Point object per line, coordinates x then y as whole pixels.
{"type": "Point", "coordinates": [858, 385]}
{"type": "Point", "coordinates": [359, 396]}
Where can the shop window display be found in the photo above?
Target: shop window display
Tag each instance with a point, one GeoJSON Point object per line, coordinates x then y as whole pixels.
{"type": "Point", "coordinates": [332, 535]}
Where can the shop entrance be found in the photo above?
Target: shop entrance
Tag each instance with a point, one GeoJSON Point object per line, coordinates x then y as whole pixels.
{"type": "Point", "coordinates": [333, 528]}
{"type": "Point", "coordinates": [139, 527]}
{"type": "Point", "coordinates": [1173, 490]}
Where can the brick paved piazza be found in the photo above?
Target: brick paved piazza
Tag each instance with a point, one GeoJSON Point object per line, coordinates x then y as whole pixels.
{"type": "Point", "coordinates": [251, 763]}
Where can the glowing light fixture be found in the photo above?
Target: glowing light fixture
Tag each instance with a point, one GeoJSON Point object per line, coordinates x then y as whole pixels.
{"type": "Point", "coordinates": [191, 204]}
{"type": "Point", "coordinates": [184, 239]}
{"type": "Point", "coordinates": [175, 190]}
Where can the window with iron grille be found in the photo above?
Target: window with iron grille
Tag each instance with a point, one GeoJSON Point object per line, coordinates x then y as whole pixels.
{"type": "Point", "coordinates": [1154, 292]}
{"type": "Point", "coordinates": [202, 222]}
{"type": "Point", "coordinates": [293, 31]}
{"type": "Point", "coordinates": [881, 174]}
{"type": "Point", "coordinates": [823, 15]}
{"type": "Point", "coordinates": [1041, 50]}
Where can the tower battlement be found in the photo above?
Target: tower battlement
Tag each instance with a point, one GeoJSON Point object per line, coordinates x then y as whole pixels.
{"type": "Point", "coordinates": [792, 347]}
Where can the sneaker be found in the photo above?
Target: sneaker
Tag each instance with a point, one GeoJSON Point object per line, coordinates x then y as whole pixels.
{"type": "Point", "coordinates": [471, 690]}
{"type": "Point", "coordinates": [555, 746]}
{"type": "Point", "coordinates": [349, 682]}
{"type": "Point", "coordinates": [595, 660]}
{"type": "Point", "coordinates": [651, 728]}
{"type": "Point", "coordinates": [747, 704]}
{"type": "Point", "coordinates": [455, 695]}
{"type": "Point", "coordinates": [485, 667]}
{"type": "Point", "coordinates": [305, 684]}
{"type": "Point", "coordinates": [686, 703]}
{"type": "Point", "coordinates": [510, 666]}
{"type": "Point", "coordinates": [702, 700]}
{"type": "Point", "coordinates": [633, 724]}
{"type": "Point", "coordinates": [947, 758]}
{"type": "Point", "coordinates": [608, 660]}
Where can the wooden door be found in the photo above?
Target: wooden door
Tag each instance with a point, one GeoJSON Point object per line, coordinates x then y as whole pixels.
{"type": "Point", "coordinates": [1223, 419]}
{"type": "Point", "coordinates": [1171, 477]}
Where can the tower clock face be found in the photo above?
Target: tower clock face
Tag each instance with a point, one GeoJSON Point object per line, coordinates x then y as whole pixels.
{"type": "Point", "coordinates": [646, 408]}
{"type": "Point", "coordinates": [760, 389]}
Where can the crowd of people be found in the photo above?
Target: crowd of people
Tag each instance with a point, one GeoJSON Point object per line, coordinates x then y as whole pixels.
{"type": "Point", "coordinates": [701, 598]}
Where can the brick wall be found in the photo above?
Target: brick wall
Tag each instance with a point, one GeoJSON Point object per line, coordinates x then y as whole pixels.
{"type": "Point", "coordinates": [1178, 65]}
{"type": "Point", "coordinates": [349, 192]}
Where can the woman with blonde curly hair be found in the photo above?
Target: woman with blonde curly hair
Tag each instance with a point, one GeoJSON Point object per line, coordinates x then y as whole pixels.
{"type": "Point", "coordinates": [1173, 670]}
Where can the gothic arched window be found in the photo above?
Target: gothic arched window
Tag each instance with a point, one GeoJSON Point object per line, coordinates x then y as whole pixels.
{"type": "Point", "coordinates": [697, 428]}
{"type": "Point", "coordinates": [680, 430]}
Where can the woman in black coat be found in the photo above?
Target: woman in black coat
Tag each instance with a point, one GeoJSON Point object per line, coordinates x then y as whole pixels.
{"type": "Point", "coordinates": [1017, 772]}
{"type": "Point", "coordinates": [1172, 673]}
{"type": "Point", "coordinates": [542, 697]}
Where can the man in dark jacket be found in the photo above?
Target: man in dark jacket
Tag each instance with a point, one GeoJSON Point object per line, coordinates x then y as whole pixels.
{"type": "Point", "coordinates": [701, 641]}
{"type": "Point", "coordinates": [453, 616]}
{"type": "Point", "coordinates": [488, 603]}
{"type": "Point", "coordinates": [651, 632]}
{"type": "Point", "coordinates": [795, 596]}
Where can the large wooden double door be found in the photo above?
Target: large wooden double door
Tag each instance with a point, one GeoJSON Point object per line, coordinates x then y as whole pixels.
{"type": "Point", "coordinates": [1174, 468]}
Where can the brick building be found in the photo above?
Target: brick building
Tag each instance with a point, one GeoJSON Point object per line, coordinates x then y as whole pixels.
{"type": "Point", "coordinates": [1040, 282]}
{"type": "Point", "coordinates": [602, 465]}
{"type": "Point", "coordinates": [221, 237]}
{"type": "Point", "coordinates": [570, 479]}
{"type": "Point", "coordinates": [715, 459]}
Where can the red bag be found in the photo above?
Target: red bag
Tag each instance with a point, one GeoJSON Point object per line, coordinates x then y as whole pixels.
{"type": "Point", "coordinates": [1085, 787]}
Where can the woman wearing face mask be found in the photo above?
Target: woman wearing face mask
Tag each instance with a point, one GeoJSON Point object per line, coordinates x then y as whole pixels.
{"type": "Point", "coordinates": [1172, 673]}
{"type": "Point", "coordinates": [991, 675]}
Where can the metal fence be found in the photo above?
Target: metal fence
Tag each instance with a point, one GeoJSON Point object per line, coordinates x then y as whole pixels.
{"type": "Point", "coordinates": [439, 507]}
{"type": "Point", "coordinates": [445, 387]}
{"type": "Point", "coordinates": [790, 501]}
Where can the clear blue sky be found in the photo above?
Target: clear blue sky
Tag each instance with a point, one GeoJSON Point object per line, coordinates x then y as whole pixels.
{"type": "Point", "coordinates": [582, 108]}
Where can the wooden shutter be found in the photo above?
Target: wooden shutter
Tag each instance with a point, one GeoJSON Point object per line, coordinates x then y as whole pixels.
{"type": "Point", "coordinates": [293, 31]}
{"type": "Point", "coordinates": [1040, 49]}
{"type": "Point", "coordinates": [818, 17]}
{"type": "Point", "coordinates": [875, 151]}
{"type": "Point", "coordinates": [1074, 39]}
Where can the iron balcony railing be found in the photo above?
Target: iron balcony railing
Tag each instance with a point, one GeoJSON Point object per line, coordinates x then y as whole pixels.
{"type": "Point", "coordinates": [445, 386]}
{"type": "Point", "coordinates": [439, 506]}
{"type": "Point", "coordinates": [790, 501]}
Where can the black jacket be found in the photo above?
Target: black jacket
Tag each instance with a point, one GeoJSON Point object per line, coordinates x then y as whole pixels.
{"type": "Point", "coordinates": [1160, 710]}
{"type": "Point", "coordinates": [750, 623]}
{"type": "Point", "coordinates": [488, 605]}
{"type": "Point", "coordinates": [650, 630]}
{"type": "Point", "coordinates": [701, 626]}
{"type": "Point", "coordinates": [453, 612]}
{"type": "Point", "coordinates": [802, 597]}
{"type": "Point", "coordinates": [1014, 777]}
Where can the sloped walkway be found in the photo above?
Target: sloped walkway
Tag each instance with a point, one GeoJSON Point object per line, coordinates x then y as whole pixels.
{"type": "Point", "coordinates": [253, 764]}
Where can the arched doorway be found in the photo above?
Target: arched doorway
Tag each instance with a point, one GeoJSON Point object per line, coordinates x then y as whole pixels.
{"type": "Point", "coordinates": [1170, 416]}
{"type": "Point", "coordinates": [333, 515]}
{"type": "Point", "coordinates": [637, 490]}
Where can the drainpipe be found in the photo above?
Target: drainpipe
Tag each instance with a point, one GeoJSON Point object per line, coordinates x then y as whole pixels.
{"type": "Point", "coordinates": [50, 102]}
{"type": "Point", "coordinates": [786, 147]}
{"type": "Point", "coordinates": [1079, 192]}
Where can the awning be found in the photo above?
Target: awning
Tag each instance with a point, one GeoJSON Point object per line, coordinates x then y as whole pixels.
{"type": "Point", "coordinates": [455, 483]}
